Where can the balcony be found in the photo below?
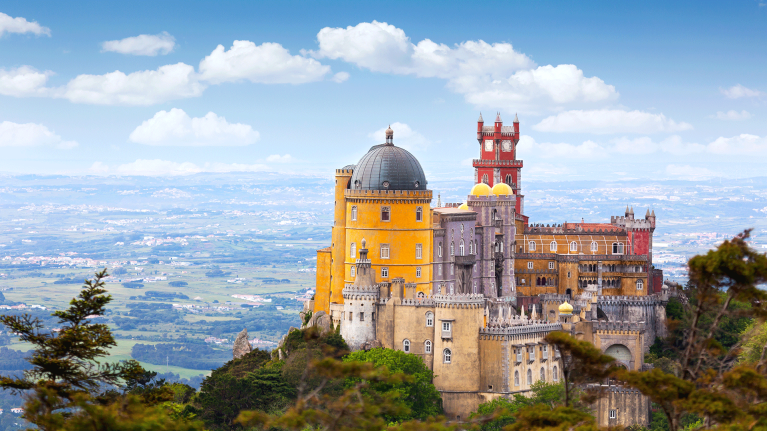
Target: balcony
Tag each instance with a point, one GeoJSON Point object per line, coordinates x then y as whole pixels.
{"type": "Point", "coordinates": [467, 260]}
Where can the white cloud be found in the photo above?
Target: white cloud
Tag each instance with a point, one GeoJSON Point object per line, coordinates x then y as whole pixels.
{"type": "Point", "coordinates": [276, 158]}
{"type": "Point", "coordinates": [528, 146]}
{"type": "Point", "coordinates": [268, 63]}
{"type": "Point", "coordinates": [690, 172]}
{"type": "Point", "coordinates": [738, 91]}
{"type": "Point", "coordinates": [157, 167]}
{"type": "Point", "coordinates": [603, 121]}
{"type": "Point", "coordinates": [143, 44]}
{"type": "Point", "coordinates": [99, 168]}
{"type": "Point", "coordinates": [732, 115]}
{"type": "Point", "coordinates": [743, 144]}
{"type": "Point", "coordinates": [176, 128]}
{"type": "Point", "coordinates": [147, 87]}
{"type": "Point", "coordinates": [486, 74]}
{"type": "Point", "coordinates": [645, 145]}
{"type": "Point", "coordinates": [24, 81]}
{"type": "Point", "coordinates": [31, 135]}
{"type": "Point", "coordinates": [340, 77]}
{"type": "Point", "coordinates": [20, 25]}
{"type": "Point", "coordinates": [404, 136]}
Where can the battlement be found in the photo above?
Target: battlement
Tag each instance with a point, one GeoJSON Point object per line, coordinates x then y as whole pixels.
{"type": "Point", "coordinates": [619, 326]}
{"type": "Point", "coordinates": [630, 300]}
{"type": "Point", "coordinates": [461, 300]}
{"type": "Point", "coordinates": [388, 194]}
{"type": "Point", "coordinates": [344, 172]}
{"type": "Point", "coordinates": [536, 326]}
{"type": "Point", "coordinates": [563, 230]}
{"type": "Point", "coordinates": [497, 163]}
{"type": "Point", "coordinates": [632, 223]}
{"type": "Point", "coordinates": [353, 292]}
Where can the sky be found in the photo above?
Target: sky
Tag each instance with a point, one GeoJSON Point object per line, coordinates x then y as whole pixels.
{"type": "Point", "coordinates": [603, 90]}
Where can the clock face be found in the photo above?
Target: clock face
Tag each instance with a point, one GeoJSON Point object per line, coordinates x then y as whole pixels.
{"type": "Point", "coordinates": [506, 146]}
{"type": "Point", "coordinates": [489, 145]}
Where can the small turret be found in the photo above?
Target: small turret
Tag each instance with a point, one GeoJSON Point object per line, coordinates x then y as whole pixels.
{"type": "Point", "coordinates": [389, 136]}
{"type": "Point", "coordinates": [480, 124]}
{"type": "Point", "coordinates": [498, 123]}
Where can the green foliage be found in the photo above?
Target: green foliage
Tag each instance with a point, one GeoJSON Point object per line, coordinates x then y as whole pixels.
{"type": "Point", "coordinates": [240, 367]}
{"type": "Point", "coordinates": [754, 341]}
{"type": "Point", "coordinates": [418, 392]}
{"type": "Point", "coordinates": [504, 410]}
{"type": "Point", "coordinates": [674, 309]}
{"type": "Point", "coordinates": [543, 417]}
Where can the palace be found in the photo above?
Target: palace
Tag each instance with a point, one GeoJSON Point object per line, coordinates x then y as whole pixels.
{"type": "Point", "coordinates": [473, 288]}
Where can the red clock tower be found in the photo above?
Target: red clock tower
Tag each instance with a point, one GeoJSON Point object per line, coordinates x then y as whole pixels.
{"type": "Point", "coordinates": [497, 161]}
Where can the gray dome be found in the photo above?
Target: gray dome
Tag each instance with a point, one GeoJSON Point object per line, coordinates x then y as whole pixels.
{"type": "Point", "coordinates": [386, 167]}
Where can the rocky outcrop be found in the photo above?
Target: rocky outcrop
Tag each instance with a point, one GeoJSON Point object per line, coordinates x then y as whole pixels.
{"type": "Point", "coordinates": [241, 345]}
{"type": "Point", "coordinates": [321, 320]}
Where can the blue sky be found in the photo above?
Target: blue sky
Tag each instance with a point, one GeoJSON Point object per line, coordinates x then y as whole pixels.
{"type": "Point", "coordinates": [602, 89]}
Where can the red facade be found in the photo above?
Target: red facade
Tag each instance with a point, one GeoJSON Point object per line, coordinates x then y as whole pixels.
{"type": "Point", "coordinates": [497, 156]}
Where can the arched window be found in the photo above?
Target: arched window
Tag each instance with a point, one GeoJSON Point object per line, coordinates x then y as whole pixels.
{"type": "Point", "coordinates": [573, 246]}
{"type": "Point", "coordinates": [419, 214]}
{"type": "Point", "coordinates": [529, 376]}
{"type": "Point", "coordinates": [471, 247]}
{"type": "Point", "coordinates": [508, 179]}
{"type": "Point", "coordinates": [617, 248]}
{"type": "Point", "coordinates": [354, 213]}
{"type": "Point", "coordinates": [543, 375]}
{"type": "Point", "coordinates": [461, 248]}
{"type": "Point", "coordinates": [439, 250]}
{"type": "Point", "coordinates": [553, 246]}
{"type": "Point", "coordinates": [430, 319]}
{"type": "Point", "coordinates": [484, 178]}
{"type": "Point", "coordinates": [353, 271]}
{"type": "Point", "coordinates": [594, 246]}
{"type": "Point", "coordinates": [406, 346]}
{"type": "Point", "coordinates": [421, 294]}
{"type": "Point", "coordinates": [418, 273]}
{"type": "Point", "coordinates": [554, 374]}
{"type": "Point", "coordinates": [447, 356]}
{"type": "Point", "coordinates": [452, 249]}
{"type": "Point", "coordinates": [427, 346]}
{"type": "Point", "coordinates": [516, 378]}
{"type": "Point", "coordinates": [531, 246]}
{"type": "Point", "coordinates": [353, 250]}
{"type": "Point", "coordinates": [640, 284]}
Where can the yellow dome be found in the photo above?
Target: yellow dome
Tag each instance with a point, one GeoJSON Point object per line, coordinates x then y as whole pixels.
{"type": "Point", "coordinates": [502, 189]}
{"type": "Point", "coordinates": [463, 207]}
{"type": "Point", "coordinates": [480, 189]}
{"type": "Point", "coordinates": [565, 308]}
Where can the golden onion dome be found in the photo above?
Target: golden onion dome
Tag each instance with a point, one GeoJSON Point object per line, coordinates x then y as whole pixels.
{"type": "Point", "coordinates": [480, 189]}
{"type": "Point", "coordinates": [502, 189]}
{"type": "Point", "coordinates": [463, 206]}
{"type": "Point", "coordinates": [565, 308]}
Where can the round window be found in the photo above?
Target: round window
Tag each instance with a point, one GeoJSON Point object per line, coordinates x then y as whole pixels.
{"type": "Point", "coordinates": [417, 184]}
{"type": "Point", "coordinates": [385, 184]}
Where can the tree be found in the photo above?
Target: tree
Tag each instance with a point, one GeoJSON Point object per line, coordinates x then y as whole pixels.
{"type": "Point", "coordinates": [504, 410]}
{"type": "Point", "coordinates": [582, 363]}
{"type": "Point", "coordinates": [418, 394]}
{"type": "Point", "coordinates": [64, 386]}
{"type": "Point", "coordinates": [709, 382]}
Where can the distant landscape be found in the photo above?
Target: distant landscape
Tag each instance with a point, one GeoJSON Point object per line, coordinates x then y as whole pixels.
{"type": "Point", "coordinates": [196, 259]}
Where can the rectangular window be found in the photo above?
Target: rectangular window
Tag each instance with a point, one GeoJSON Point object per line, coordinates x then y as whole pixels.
{"type": "Point", "coordinates": [354, 213]}
{"type": "Point", "coordinates": [418, 251]}
{"type": "Point", "coordinates": [452, 269]}
{"type": "Point", "coordinates": [529, 265]}
{"type": "Point", "coordinates": [385, 214]}
{"type": "Point", "coordinates": [350, 315]}
{"type": "Point", "coordinates": [613, 414]}
{"type": "Point", "coordinates": [439, 270]}
{"type": "Point", "coordinates": [353, 271]}
{"type": "Point", "coordinates": [551, 265]}
{"type": "Point", "coordinates": [384, 251]}
{"type": "Point", "coordinates": [419, 214]}
{"type": "Point", "coordinates": [418, 272]}
{"type": "Point", "coordinates": [373, 316]}
{"type": "Point", "coordinates": [384, 272]}
{"type": "Point", "coordinates": [445, 326]}
{"type": "Point", "coordinates": [362, 316]}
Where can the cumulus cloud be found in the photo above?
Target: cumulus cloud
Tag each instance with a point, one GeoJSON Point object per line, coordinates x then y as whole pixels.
{"type": "Point", "coordinates": [602, 121]}
{"type": "Point", "coordinates": [588, 149]}
{"type": "Point", "coordinates": [738, 91]}
{"type": "Point", "coordinates": [9, 24]}
{"type": "Point", "coordinates": [340, 77]}
{"type": "Point", "coordinates": [645, 145]}
{"type": "Point", "coordinates": [146, 87]}
{"type": "Point", "coordinates": [143, 44]}
{"type": "Point", "coordinates": [743, 144]}
{"type": "Point", "coordinates": [276, 158]}
{"type": "Point", "coordinates": [24, 81]}
{"type": "Point", "coordinates": [158, 167]}
{"type": "Point", "coordinates": [690, 172]}
{"type": "Point", "coordinates": [732, 115]}
{"type": "Point", "coordinates": [268, 63]}
{"type": "Point", "coordinates": [177, 128]}
{"type": "Point", "coordinates": [486, 74]}
{"type": "Point", "coordinates": [404, 136]}
{"type": "Point", "coordinates": [31, 135]}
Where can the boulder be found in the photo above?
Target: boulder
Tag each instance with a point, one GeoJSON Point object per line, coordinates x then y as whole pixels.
{"type": "Point", "coordinates": [323, 322]}
{"type": "Point", "coordinates": [241, 345]}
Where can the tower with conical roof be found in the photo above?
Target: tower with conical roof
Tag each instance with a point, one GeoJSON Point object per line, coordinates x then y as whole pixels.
{"type": "Point", "coordinates": [497, 161]}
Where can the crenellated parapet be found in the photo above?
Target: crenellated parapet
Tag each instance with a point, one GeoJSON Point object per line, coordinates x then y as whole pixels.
{"type": "Point", "coordinates": [649, 300]}
{"type": "Point", "coordinates": [534, 327]}
{"type": "Point", "coordinates": [619, 327]}
{"type": "Point", "coordinates": [391, 196]}
{"type": "Point", "coordinates": [460, 300]}
{"type": "Point", "coordinates": [353, 292]}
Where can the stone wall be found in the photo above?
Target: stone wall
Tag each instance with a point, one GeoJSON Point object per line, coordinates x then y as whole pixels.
{"type": "Point", "coordinates": [629, 407]}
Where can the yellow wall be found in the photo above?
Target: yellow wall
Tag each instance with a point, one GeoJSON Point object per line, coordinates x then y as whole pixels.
{"type": "Point", "coordinates": [322, 293]}
{"type": "Point", "coordinates": [343, 176]}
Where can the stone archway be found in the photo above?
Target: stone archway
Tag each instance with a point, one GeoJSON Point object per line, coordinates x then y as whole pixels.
{"type": "Point", "coordinates": [622, 355]}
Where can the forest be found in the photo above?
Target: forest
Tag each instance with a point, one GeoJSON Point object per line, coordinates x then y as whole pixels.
{"type": "Point", "coordinates": [186, 355]}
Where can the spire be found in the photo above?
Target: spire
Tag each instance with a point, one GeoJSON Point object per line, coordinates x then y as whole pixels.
{"type": "Point", "coordinates": [647, 214]}
{"type": "Point", "coordinates": [498, 118]}
{"type": "Point", "coordinates": [627, 211]}
{"type": "Point", "coordinates": [389, 136]}
{"type": "Point", "coordinates": [631, 211]}
{"type": "Point", "coordinates": [653, 213]}
{"type": "Point", "coordinates": [480, 118]}
{"type": "Point", "coordinates": [516, 119]}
